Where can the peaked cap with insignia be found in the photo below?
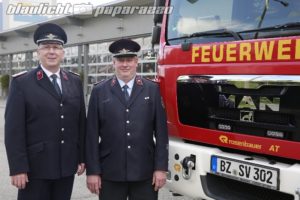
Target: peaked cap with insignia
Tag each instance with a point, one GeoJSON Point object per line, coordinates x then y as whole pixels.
{"type": "Point", "coordinates": [124, 48]}
{"type": "Point", "coordinates": [50, 33]}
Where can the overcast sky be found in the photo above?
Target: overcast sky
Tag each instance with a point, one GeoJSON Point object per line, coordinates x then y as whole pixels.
{"type": "Point", "coordinates": [17, 23]}
{"type": "Point", "coordinates": [93, 2]}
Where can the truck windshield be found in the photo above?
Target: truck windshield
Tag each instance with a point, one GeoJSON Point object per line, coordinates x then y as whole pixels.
{"type": "Point", "coordinates": [204, 21]}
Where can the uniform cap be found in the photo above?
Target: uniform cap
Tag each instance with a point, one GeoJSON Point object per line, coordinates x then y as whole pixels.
{"type": "Point", "coordinates": [124, 48]}
{"type": "Point", "coordinates": [50, 33]}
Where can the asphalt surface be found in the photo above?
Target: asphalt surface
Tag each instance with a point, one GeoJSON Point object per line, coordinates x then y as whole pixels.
{"type": "Point", "coordinates": [80, 192]}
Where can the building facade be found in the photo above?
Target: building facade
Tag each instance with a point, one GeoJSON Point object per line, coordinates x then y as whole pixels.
{"type": "Point", "coordinates": [89, 36]}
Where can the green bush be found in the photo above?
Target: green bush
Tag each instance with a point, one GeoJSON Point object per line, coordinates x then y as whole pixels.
{"type": "Point", "coordinates": [4, 81]}
{"type": "Point", "coordinates": [81, 76]}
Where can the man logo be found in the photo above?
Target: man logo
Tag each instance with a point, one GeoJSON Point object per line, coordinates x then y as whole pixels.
{"type": "Point", "coordinates": [223, 139]}
{"type": "Point", "coordinates": [249, 102]}
{"type": "Point", "coordinates": [247, 116]}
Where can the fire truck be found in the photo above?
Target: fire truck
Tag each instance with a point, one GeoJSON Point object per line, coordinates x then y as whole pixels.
{"type": "Point", "coordinates": [229, 73]}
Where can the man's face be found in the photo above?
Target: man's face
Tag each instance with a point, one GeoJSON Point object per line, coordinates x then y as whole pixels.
{"type": "Point", "coordinates": [125, 67]}
{"type": "Point", "coordinates": [50, 55]}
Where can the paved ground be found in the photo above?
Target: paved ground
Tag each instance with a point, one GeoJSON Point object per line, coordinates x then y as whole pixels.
{"type": "Point", "coordinates": [80, 192]}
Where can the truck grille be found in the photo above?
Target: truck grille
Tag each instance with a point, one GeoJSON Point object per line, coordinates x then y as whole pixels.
{"type": "Point", "coordinates": [260, 105]}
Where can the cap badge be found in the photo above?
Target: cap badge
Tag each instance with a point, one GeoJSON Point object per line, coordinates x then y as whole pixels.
{"type": "Point", "coordinates": [124, 51]}
{"type": "Point", "coordinates": [51, 36]}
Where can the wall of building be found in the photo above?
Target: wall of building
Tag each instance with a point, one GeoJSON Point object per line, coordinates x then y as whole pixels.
{"type": "Point", "coordinates": [1, 16]}
{"type": "Point", "coordinates": [87, 49]}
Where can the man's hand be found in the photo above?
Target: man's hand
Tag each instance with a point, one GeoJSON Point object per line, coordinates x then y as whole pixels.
{"type": "Point", "coordinates": [81, 169]}
{"type": "Point", "coordinates": [93, 183]}
{"type": "Point", "coordinates": [19, 180]}
{"type": "Point", "coordinates": [159, 179]}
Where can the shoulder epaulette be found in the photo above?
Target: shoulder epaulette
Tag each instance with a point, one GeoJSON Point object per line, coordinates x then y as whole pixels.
{"type": "Point", "coordinates": [99, 82]}
{"type": "Point", "coordinates": [155, 80]}
{"type": "Point", "coordinates": [19, 74]}
{"type": "Point", "coordinates": [74, 73]}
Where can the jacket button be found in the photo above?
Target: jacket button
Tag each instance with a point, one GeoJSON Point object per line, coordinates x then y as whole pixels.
{"type": "Point", "coordinates": [62, 116]}
{"type": "Point", "coordinates": [127, 121]}
{"type": "Point", "coordinates": [62, 129]}
{"type": "Point", "coordinates": [127, 110]}
{"type": "Point", "coordinates": [61, 105]}
{"type": "Point", "coordinates": [129, 147]}
{"type": "Point", "coordinates": [128, 134]}
{"type": "Point", "coordinates": [62, 142]}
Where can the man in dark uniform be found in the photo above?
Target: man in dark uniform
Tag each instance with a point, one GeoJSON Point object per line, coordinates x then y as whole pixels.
{"type": "Point", "coordinates": [45, 123]}
{"type": "Point", "coordinates": [126, 113]}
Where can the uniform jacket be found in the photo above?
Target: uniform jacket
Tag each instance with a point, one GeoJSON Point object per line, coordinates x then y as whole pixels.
{"type": "Point", "coordinates": [127, 151]}
{"type": "Point", "coordinates": [44, 133]}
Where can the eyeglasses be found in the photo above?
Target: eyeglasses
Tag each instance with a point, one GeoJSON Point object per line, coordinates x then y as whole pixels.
{"type": "Point", "coordinates": [49, 47]}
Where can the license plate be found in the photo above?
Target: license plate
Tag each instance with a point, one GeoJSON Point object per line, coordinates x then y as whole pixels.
{"type": "Point", "coordinates": [263, 176]}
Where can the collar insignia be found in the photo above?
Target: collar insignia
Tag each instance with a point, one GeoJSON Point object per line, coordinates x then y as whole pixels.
{"type": "Point", "coordinates": [39, 75]}
{"type": "Point", "coordinates": [138, 80]}
{"type": "Point", "coordinates": [65, 75]}
{"type": "Point", "coordinates": [113, 81]}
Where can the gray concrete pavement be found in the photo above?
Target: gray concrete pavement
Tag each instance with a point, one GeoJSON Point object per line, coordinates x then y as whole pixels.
{"type": "Point", "coordinates": [80, 192]}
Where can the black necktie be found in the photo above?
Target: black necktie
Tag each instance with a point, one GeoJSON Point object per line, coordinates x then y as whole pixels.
{"type": "Point", "coordinates": [126, 94]}
{"type": "Point", "coordinates": [55, 84]}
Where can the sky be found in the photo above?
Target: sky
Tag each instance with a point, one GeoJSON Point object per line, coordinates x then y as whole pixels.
{"type": "Point", "coordinates": [16, 21]}
{"type": "Point", "coordinates": [93, 2]}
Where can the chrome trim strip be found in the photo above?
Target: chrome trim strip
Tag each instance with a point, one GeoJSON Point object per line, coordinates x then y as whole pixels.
{"type": "Point", "coordinates": [243, 81]}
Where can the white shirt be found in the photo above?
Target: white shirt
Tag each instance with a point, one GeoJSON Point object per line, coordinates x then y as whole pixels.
{"type": "Point", "coordinates": [48, 73]}
{"type": "Point", "coordinates": [129, 84]}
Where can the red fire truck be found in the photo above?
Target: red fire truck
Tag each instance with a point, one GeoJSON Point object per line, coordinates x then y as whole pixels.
{"type": "Point", "coordinates": [229, 72]}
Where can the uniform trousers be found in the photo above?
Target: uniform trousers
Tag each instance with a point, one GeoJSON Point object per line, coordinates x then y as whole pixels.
{"type": "Point", "coordinates": [135, 190]}
{"type": "Point", "coordinates": [44, 189]}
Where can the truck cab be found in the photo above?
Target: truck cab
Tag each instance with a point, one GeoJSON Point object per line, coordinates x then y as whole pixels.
{"type": "Point", "coordinates": [229, 74]}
